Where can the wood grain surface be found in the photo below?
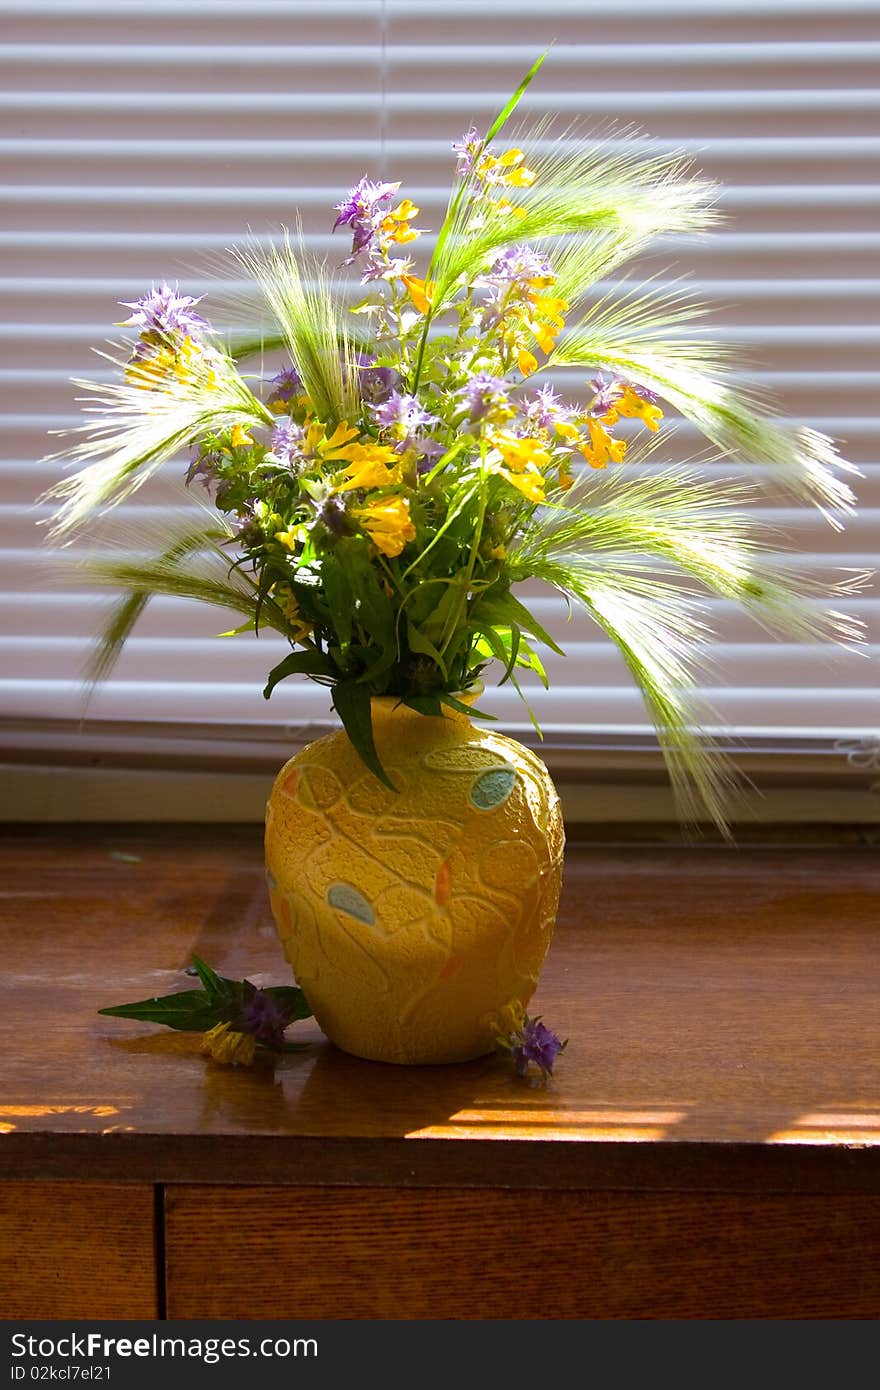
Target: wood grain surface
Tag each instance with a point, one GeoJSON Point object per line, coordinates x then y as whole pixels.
{"type": "Point", "coordinates": [76, 1250]}
{"type": "Point", "coordinates": [722, 1007]}
{"type": "Point", "coordinates": [447, 1253]}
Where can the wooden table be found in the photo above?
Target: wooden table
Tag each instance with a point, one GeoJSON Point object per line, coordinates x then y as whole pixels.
{"type": "Point", "coordinates": [709, 1146]}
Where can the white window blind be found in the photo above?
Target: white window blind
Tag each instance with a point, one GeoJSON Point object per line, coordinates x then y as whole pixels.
{"type": "Point", "coordinates": [139, 139]}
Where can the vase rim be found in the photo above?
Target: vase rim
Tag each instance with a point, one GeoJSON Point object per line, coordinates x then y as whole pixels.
{"type": "Point", "coordinates": [387, 704]}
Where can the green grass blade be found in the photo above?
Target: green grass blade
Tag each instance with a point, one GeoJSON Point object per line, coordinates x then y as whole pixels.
{"type": "Point", "coordinates": [513, 102]}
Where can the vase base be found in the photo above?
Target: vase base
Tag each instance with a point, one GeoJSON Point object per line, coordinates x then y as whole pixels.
{"type": "Point", "coordinates": [402, 1059]}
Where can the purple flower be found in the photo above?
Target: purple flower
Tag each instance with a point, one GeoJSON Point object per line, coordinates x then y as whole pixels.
{"type": "Point", "coordinates": [484, 395]}
{"type": "Point", "coordinates": [287, 383]}
{"type": "Point", "coordinates": [376, 268]}
{"type": "Point", "coordinates": [363, 210]}
{"type": "Point", "coordinates": [265, 1019]}
{"type": "Point", "coordinates": [164, 311]}
{"type": "Point", "coordinates": [333, 515]}
{"type": "Point", "coordinates": [378, 383]}
{"type": "Point", "coordinates": [286, 438]}
{"type": "Point", "coordinates": [645, 392]}
{"type": "Point", "coordinates": [535, 1043]}
{"type": "Point", "coordinates": [607, 392]}
{"type": "Point", "coordinates": [467, 148]}
{"type": "Point", "coordinates": [429, 451]}
{"type": "Point", "coordinates": [545, 407]}
{"type": "Point", "coordinates": [203, 464]}
{"type": "Point", "coordinates": [402, 411]}
{"type": "Point", "coordinates": [517, 266]}
{"type": "Point", "coordinates": [248, 530]}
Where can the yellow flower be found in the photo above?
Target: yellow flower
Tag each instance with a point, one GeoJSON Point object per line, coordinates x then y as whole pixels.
{"type": "Point", "coordinates": [396, 225]}
{"type": "Point", "coordinates": [287, 407]}
{"type": "Point", "coordinates": [420, 293]}
{"type": "Point", "coordinates": [565, 429]}
{"type": "Point", "coordinates": [505, 205]}
{"type": "Point", "coordinates": [371, 466]}
{"type": "Point", "coordinates": [548, 327]}
{"type": "Point", "coordinates": [551, 306]}
{"type": "Point", "coordinates": [518, 453]}
{"type": "Point", "coordinates": [545, 335]}
{"type": "Point", "coordinates": [527, 362]}
{"type": "Point", "coordinates": [150, 373]}
{"type": "Point", "coordinates": [516, 175]}
{"type": "Point", "coordinates": [602, 449]}
{"type": "Point", "coordinates": [287, 601]}
{"type": "Point", "coordinates": [633, 407]}
{"type": "Point", "coordinates": [520, 178]}
{"type": "Point", "coordinates": [291, 539]}
{"type": "Point", "coordinates": [336, 448]}
{"type": "Point", "coordinates": [530, 483]}
{"type": "Point", "coordinates": [387, 524]}
{"type": "Point", "coordinates": [240, 438]}
{"type": "Point", "coordinates": [183, 361]}
{"type": "Point", "coordinates": [507, 168]}
{"type": "Point", "coordinates": [225, 1045]}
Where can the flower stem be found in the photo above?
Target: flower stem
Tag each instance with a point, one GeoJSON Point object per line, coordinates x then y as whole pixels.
{"type": "Point", "coordinates": [454, 620]}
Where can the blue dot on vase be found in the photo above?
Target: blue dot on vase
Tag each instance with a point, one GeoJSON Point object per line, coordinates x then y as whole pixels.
{"type": "Point", "coordinates": [492, 788]}
{"type": "Point", "coordinates": [348, 899]}
{"type": "Point", "coordinates": [271, 880]}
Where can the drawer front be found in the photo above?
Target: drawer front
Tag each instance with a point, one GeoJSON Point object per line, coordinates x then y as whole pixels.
{"type": "Point", "coordinates": [285, 1252]}
{"type": "Point", "coordinates": [77, 1250]}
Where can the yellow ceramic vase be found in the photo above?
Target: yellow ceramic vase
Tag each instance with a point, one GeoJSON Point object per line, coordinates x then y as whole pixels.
{"type": "Point", "coordinates": [415, 920]}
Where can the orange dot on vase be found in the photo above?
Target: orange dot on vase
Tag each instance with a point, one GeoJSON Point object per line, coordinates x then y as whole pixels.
{"type": "Point", "coordinates": [450, 968]}
{"type": "Point", "coordinates": [288, 786]}
{"type": "Point", "coordinates": [443, 884]}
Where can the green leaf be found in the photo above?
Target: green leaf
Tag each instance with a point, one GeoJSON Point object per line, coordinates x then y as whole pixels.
{"type": "Point", "coordinates": [307, 663]}
{"type": "Point", "coordinates": [463, 442]}
{"type": "Point", "coordinates": [512, 103]}
{"type": "Point", "coordinates": [504, 608]}
{"type": "Point", "coordinates": [374, 607]}
{"type": "Point", "coordinates": [338, 594]}
{"type": "Point", "coordinates": [458, 500]}
{"type": "Point", "coordinates": [470, 710]}
{"type": "Point", "coordinates": [221, 1000]}
{"type": "Point", "coordinates": [530, 712]}
{"type": "Point", "coordinates": [418, 642]}
{"type": "Point", "coordinates": [437, 622]}
{"type": "Point", "coordinates": [212, 983]}
{"type": "Point", "coordinates": [352, 703]}
{"type": "Point", "coordinates": [189, 1011]}
{"type": "Point", "coordinates": [425, 704]}
{"type": "Point", "coordinates": [248, 347]}
{"type": "Point", "coordinates": [503, 643]}
{"type": "Point", "coordinates": [529, 659]}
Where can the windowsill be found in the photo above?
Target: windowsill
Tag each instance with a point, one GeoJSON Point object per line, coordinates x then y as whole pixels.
{"type": "Point", "coordinates": [726, 997]}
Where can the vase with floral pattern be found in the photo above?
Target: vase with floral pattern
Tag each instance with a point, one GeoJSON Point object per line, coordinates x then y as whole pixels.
{"type": "Point", "coordinates": [416, 919]}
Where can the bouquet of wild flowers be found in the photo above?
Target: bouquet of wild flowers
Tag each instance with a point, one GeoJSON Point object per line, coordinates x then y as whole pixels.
{"type": "Point", "coordinates": [378, 501]}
